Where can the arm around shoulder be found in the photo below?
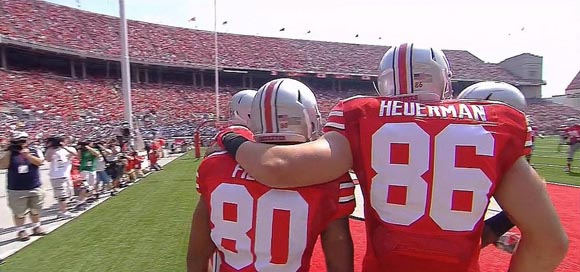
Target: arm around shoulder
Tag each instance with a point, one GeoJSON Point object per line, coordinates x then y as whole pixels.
{"type": "Point", "coordinates": [310, 163]}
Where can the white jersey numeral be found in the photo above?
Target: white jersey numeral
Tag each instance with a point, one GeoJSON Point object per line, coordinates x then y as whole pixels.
{"type": "Point", "coordinates": [447, 178]}
{"type": "Point", "coordinates": [282, 200]}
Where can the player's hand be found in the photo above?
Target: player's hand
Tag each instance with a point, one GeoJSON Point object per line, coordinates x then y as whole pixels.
{"type": "Point", "coordinates": [239, 130]}
{"type": "Point", "coordinates": [508, 242]}
{"type": "Point", "coordinates": [212, 149]}
{"type": "Point", "coordinates": [25, 151]}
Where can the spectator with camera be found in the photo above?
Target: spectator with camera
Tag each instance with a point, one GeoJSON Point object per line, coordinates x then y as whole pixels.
{"type": "Point", "coordinates": [88, 155]}
{"type": "Point", "coordinates": [60, 157]}
{"type": "Point", "coordinates": [105, 162]}
{"type": "Point", "coordinates": [24, 186]}
{"type": "Point", "coordinates": [115, 169]}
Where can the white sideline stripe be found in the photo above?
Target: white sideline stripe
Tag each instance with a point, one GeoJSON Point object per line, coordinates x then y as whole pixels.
{"type": "Point", "coordinates": [334, 125]}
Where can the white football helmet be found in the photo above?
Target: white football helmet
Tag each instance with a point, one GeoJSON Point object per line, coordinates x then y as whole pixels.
{"type": "Point", "coordinates": [240, 107]}
{"type": "Point", "coordinates": [495, 91]}
{"type": "Point", "coordinates": [285, 110]}
{"type": "Point", "coordinates": [410, 69]}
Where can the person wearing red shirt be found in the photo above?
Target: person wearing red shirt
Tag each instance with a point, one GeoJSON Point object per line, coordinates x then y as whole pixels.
{"type": "Point", "coordinates": [154, 155]}
{"type": "Point", "coordinates": [258, 228]}
{"type": "Point", "coordinates": [427, 167]}
{"type": "Point", "coordinates": [137, 161]}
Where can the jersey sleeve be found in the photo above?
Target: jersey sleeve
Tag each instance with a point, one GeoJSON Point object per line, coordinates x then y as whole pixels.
{"type": "Point", "coordinates": [201, 176]}
{"type": "Point", "coordinates": [515, 125]}
{"type": "Point", "coordinates": [336, 121]}
{"type": "Point", "coordinates": [529, 142]}
{"type": "Point", "coordinates": [346, 198]}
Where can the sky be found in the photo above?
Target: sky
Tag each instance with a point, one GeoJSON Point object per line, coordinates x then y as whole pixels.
{"type": "Point", "coordinates": [492, 30]}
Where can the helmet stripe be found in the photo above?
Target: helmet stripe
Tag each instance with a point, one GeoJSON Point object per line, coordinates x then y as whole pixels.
{"type": "Point", "coordinates": [267, 105]}
{"type": "Point", "coordinates": [403, 66]}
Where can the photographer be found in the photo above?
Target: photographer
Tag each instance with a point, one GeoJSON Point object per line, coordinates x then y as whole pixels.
{"type": "Point", "coordinates": [123, 135]}
{"type": "Point", "coordinates": [105, 163]}
{"type": "Point", "coordinates": [88, 167]}
{"type": "Point", "coordinates": [60, 157]}
{"type": "Point", "coordinates": [24, 192]}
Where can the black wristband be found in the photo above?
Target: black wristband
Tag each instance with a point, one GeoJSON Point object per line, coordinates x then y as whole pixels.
{"type": "Point", "coordinates": [232, 141]}
{"type": "Point", "coordinates": [499, 224]}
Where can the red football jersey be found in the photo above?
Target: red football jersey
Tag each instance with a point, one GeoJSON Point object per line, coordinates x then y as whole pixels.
{"type": "Point", "coordinates": [259, 228]}
{"type": "Point", "coordinates": [573, 133]}
{"type": "Point", "coordinates": [427, 172]}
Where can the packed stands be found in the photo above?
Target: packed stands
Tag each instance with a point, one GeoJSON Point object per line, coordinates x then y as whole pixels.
{"type": "Point", "coordinates": [52, 103]}
{"type": "Point", "coordinates": [93, 35]}
{"type": "Point", "coordinates": [549, 116]}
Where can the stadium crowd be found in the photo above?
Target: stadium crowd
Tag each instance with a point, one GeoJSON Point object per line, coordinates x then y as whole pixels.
{"type": "Point", "coordinates": [88, 111]}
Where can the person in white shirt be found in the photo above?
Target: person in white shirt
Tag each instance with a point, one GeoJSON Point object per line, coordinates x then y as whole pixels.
{"type": "Point", "coordinates": [60, 157]}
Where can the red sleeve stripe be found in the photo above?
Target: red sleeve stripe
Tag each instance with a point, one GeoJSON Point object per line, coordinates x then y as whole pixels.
{"type": "Point", "coordinates": [334, 125]}
{"type": "Point", "coordinates": [336, 113]}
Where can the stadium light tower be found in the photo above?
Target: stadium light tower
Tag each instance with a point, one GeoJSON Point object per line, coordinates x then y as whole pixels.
{"type": "Point", "coordinates": [125, 68]}
{"type": "Point", "coordinates": [217, 78]}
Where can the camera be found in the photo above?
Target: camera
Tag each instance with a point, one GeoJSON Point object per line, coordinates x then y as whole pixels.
{"type": "Point", "coordinates": [16, 146]}
{"type": "Point", "coordinates": [83, 145]}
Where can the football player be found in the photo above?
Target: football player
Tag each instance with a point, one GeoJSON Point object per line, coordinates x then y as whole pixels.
{"type": "Point", "coordinates": [573, 133]}
{"type": "Point", "coordinates": [427, 169]}
{"type": "Point", "coordinates": [240, 107]}
{"type": "Point", "coordinates": [499, 224]}
{"type": "Point", "coordinates": [258, 228]}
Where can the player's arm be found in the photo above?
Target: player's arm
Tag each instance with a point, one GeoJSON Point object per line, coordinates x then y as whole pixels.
{"type": "Point", "coordinates": [284, 166]}
{"type": "Point", "coordinates": [522, 194]}
{"type": "Point", "coordinates": [494, 228]}
{"type": "Point", "coordinates": [337, 246]}
{"type": "Point", "coordinates": [201, 247]}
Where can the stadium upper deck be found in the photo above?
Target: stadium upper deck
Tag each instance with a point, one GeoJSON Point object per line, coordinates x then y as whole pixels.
{"type": "Point", "coordinates": [54, 28]}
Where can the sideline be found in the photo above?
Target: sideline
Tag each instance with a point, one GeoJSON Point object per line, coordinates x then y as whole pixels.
{"type": "Point", "coordinates": [8, 242]}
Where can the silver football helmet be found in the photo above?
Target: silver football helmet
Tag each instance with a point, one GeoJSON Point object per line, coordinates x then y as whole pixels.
{"type": "Point", "coordinates": [409, 69]}
{"type": "Point", "coordinates": [285, 110]}
{"type": "Point", "coordinates": [240, 107]}
{"type": "Point", "coordinates": [495, 91]}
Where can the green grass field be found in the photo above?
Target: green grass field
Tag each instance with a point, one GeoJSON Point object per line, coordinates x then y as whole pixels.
{"type": "Point", "coordinates": [146, 227]}
{"type": "Point", "coordinates": [550, 164]}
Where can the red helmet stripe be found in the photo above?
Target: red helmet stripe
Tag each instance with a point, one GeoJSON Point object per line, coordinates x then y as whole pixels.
{"type": "Point", "coordinates": [402, 66]}
{"type": "Point", "coordinates": [267, 106]}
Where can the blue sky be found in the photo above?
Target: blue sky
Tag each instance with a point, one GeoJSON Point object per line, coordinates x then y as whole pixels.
{"type": "Point", "coordinates": [493, 30]}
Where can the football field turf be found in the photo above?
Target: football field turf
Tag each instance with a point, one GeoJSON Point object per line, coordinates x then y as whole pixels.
{"type": "Point", "coordinates": [146, 227]}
